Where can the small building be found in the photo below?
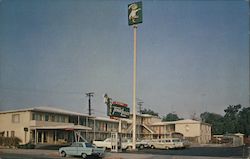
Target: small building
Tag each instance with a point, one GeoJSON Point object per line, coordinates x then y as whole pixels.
{"type": "Point", "coordinates": [194, 131]}
{"type": "Point", "coordinates": [229, 139]}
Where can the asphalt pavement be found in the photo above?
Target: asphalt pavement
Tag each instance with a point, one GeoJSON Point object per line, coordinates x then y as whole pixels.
{"type": "Point", "coordinates": [143, 154]}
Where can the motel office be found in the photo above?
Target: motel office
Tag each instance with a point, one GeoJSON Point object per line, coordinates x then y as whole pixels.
{"type": "Point", "coordinates": [46, 125]}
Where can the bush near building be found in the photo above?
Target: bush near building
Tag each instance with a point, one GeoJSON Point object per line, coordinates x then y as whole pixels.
{"type": "Point", "coordinates": [11, 142]}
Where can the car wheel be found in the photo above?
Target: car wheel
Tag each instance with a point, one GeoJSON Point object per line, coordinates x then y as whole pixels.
{"type": "Point", "coordinates": [84, 155]}
{"type": "Point", "coordinates": [166, 147]}
{"type": "Point", "coordinates": [129, 148]}
{"type": "Point", "coordinates": [152, 147]}
{"type": "Point", "coordinates": [63, 154]}
{"type": "Point", "coordinates": [141, 146]}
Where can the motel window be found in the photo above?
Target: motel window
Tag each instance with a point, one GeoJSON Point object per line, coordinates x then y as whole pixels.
{"type": "Point", "coordinates": [106, 127]}
{"type": "Point", "coordinates": [62, 119]}
{"type": "Point", "coordinates": [16, 118]}
{"type": "Point", "coordinates": [109, 126]}
{"type": "Point", "coordinates": [33, 116]}
{"type": "Point", "coordinates": [36, 116]}
{"type": "Point", "coordinates": [57, 118]}
{"type": "Point", "coordinates": [97, 125]}
{"type": "Point", "coordinates": [12, 134]}
{"type": "Point", "coordinates": [46, 117]}
{"type": "Point", "coordinates": [52, 118]}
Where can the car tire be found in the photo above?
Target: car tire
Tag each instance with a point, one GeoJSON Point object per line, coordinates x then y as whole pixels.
{"type": "Point", "coordinates": [141, 147]}
{"type": "Point", "coordinates": [84, 155]}
{"type": "Point", "coordinates": [152, 147]}
{"type": "Point", "coordinates": [63, 154]}
{"type": "Point", "coordinates": [129, 148]}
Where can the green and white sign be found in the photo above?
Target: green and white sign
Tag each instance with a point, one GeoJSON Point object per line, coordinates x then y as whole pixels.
{"type": "Point", "coordinates": [118, 111]}
{"type": "Point", "coordinates": [135, 13]}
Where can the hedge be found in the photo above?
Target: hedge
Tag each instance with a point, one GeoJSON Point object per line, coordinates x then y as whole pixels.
{"type": "Point", "coordinates": [9, 141]}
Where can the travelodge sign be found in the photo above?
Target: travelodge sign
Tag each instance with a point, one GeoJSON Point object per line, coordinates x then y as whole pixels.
{"type": "Point", "coordinates": [118, 109]}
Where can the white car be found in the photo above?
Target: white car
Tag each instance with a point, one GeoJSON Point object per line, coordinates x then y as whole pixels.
{"type": "Point", "coordinates": [143, 144]}
{"type": "Point", "coordinates": [168, 143]}
{"type": "Point", "coordinates": [107, 143]}
{"type": "Point", "coordinates": [82, 149]}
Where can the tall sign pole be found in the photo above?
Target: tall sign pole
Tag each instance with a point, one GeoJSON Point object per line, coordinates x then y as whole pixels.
{"type": "Point", "coordinates": [134, 18]}
{"type": "Point", "coordinates": [134, 91]}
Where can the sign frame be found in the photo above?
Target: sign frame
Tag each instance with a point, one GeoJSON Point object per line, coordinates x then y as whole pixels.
{"type": "Point", "coordinates": [135, 13]}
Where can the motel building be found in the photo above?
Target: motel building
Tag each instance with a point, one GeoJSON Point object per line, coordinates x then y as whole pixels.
{"type": "Point", "coordinates": [47, 125]}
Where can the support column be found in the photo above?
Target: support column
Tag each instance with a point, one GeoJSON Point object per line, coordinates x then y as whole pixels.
{"type": "Point", "coordinates": [35, 137]}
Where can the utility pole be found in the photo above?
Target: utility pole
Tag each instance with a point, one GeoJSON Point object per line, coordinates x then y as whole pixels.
{"type": "Point", "coordinates": [140, 106]}
{"type": "Point", "coordinates": [90, 94]}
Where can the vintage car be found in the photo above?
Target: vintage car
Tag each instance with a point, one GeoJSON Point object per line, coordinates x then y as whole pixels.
{"type": "Point", "coordinates": [82, 149]}
{"type": "Point", "coordinates": [168, 143]}
{"type": "Point", "coordinates": [125, 144]}
{"type": "Point", "coordinates": [107, 143]}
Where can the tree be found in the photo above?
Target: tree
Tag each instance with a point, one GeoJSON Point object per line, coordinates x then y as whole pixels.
{"type": "Point", "coordinates": [244, 121]}
{"type": "Point", "coordinates": [171, 117]}
{"type": "Point", "coordinates": [149, 111]}
{"type": "Point", "coordinates": [235, 120]}
{"type": "Point", "coordinates": [216, 120]}
{"type": "Point", "coordinates": [231, 118]}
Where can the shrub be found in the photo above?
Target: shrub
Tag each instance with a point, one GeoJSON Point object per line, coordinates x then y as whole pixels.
{"type": "Point", "coordinates": [9, 141]}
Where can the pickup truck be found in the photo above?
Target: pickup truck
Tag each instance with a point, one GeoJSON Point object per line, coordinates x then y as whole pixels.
{"type": "Point", "coordinates": [82, 149]}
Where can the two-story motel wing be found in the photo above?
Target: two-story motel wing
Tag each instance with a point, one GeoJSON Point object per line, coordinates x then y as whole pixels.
{"type": "Point", "coordinates": [57, 126]}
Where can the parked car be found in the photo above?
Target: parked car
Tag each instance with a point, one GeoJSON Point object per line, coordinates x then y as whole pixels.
{"type": "Point", "coordinates": [105, 143]}
{"type": "Point", "coordinates": [186, 143]}
{"type": "Point", "coordinates": [168, 143]}
{"type": "Point", "coordinates": [28, 145]}
{"type": "Point", "coordinates": [82, 149]}
{"type": "Point", "coordinates": [125, 143]}
{"type": "Point", "coordinates": [143, 144]}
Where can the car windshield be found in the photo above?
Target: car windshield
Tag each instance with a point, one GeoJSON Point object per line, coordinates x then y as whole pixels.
{"type": "Point", "coordinates": [176, 140]}
{"type": "Point", "coordinates": [89, 145]}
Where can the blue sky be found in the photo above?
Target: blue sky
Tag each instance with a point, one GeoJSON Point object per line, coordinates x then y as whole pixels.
{"type": "Point", "coordinates": [193, 56]}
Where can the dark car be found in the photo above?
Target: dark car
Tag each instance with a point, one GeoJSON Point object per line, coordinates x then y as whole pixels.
{"type": "Point", "coordinates": [26, 146]}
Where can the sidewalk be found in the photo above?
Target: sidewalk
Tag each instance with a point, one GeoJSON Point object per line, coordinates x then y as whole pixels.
{"type": "Point", "coordinates": [108, 155]}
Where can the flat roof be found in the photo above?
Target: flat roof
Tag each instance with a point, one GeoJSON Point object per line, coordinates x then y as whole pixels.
{"type": "Point", "coordinates": [62, 127]}
{"type": "Point", "coordinates": [46, 109]}
{"type": "Point", "coordinates": [185, 121]}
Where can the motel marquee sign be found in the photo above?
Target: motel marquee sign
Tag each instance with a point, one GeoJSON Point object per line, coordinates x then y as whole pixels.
{"type": "Point", "coordinates": [119, 109]}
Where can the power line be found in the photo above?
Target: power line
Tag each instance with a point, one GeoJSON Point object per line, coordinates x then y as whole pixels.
{"type": "Point", "coordinates": [90, 94]}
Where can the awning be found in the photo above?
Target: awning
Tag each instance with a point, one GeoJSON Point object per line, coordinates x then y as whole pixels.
{"type": "Point", "coordinates": [62, 127]}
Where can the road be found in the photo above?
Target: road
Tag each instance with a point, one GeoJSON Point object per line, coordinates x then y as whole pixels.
{"type": "Point", "coordinates": [190, 153]}
{"type": "Point", "coordinates": [199, 151]}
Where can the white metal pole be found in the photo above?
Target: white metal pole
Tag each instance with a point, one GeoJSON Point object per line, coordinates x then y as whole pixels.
{"type": "Point", "coordinates": [134, 91]}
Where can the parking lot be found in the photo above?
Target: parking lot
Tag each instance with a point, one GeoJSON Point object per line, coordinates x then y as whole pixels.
{"type": "Point", "coordinates": [200, 151]}
{"type": "Point", "coordinates": [190, 153]}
